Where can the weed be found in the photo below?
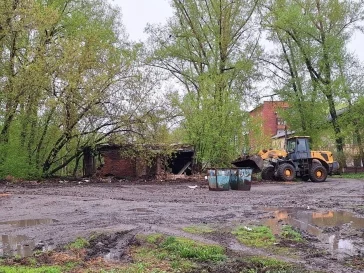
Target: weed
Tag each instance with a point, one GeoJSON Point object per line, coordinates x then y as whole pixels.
{"type": "Point", "coordinates": [260, 236]}
{"type": "Point", "coordinates": [186, 248]}
{"type": "Point", "coordinates": [154, 238]}
{"type": "Point", "coordinates": [79, 243]}
{"type": "Point", "coordinates": [289, 233]}
{"type": "Point", "coordinates": [201, 229]}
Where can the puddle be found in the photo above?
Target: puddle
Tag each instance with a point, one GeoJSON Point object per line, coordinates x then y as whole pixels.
{"type": "Point", "coordinates": [21, 245]}
{"type": "Point", "coordinates": [28, 222]}
{"type": "Point", "coordinates": [15, 245]}
{"type": "Point", "coordinates": [326, 226]}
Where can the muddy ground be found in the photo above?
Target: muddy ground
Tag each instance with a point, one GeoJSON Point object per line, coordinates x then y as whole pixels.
{"type": "Point", "coordinates": [330, 215]}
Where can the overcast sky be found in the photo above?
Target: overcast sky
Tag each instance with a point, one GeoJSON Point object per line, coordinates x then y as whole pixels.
{"type": "Point", "coordinates": [137, 13]}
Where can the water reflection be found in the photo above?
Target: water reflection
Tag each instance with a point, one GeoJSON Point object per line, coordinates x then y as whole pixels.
{"type": "Point", "coordinates": [16, 245]}
{"type": "Point", "coordinates": [21, 245]}
{"type": "Point", "coordinates": [324, 225]}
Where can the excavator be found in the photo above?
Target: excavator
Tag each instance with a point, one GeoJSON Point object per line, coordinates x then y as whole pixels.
{"type": "Point", "coordinates": [296, 161]}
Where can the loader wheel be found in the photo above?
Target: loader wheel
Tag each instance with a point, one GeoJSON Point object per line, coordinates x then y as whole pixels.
{"type": "Point", "coordinates": [318, 173]}
{"type": "Point", "coordinates": [268, 173]}
{"type": "Point", "coordinates": [286, 172]}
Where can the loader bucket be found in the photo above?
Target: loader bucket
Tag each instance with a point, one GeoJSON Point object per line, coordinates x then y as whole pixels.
{"type": "Point", "coordinates": [255, 162]}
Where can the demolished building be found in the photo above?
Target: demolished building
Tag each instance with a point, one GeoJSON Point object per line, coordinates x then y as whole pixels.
{"type": "Point", "coordinates": [138, 161]}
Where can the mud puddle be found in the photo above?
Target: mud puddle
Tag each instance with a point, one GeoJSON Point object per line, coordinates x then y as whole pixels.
{"type": "Point", "coordinates": [341, 232]}
{"type": "Point", "coordinates": [20, 245]}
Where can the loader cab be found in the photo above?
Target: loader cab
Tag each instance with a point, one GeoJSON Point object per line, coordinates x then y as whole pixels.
{"type": "Point", "coordinates": [298, 147]}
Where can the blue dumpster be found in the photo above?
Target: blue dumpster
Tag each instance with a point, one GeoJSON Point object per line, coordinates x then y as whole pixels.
{"type": "Point", "coordinates": [241, 179]}
{"type": "Point", "coordinates": [219, 179]}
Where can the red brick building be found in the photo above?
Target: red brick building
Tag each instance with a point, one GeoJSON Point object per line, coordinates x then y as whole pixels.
{"type": "Point", "coordinates": [125, 161]}
{"type": "Point", "coordinates": [268, 113]}
{"type": "Point", "coordinates": [266, 123]}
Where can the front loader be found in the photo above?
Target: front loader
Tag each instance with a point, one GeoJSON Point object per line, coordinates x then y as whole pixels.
{"type": "Point", "coordinates": [297, 161]}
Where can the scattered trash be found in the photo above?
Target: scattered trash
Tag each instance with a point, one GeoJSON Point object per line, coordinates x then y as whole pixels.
{"type": "Point", "coordinates": [193, 187]}
{"type": "Point", "coordinates": [247, 228]}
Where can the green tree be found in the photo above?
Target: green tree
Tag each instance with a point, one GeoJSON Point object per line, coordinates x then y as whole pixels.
{"type": "Point", "coordinates": [210, 47]}
{"type": "Point", "coordinates": [315, 34]}
{"type": "Point", "coordinates": [69, 80]}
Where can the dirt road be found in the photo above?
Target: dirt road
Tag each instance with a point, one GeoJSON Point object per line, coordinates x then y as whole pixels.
{"type": "Point", "coordinates": [330, 215]}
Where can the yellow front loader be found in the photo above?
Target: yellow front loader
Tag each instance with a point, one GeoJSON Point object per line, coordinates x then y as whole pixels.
{"type": "Point", "coordinates": [296, 161]}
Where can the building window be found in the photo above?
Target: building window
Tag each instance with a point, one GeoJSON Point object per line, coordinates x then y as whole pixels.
{"type": "Point", "coordinates": [280, 121]}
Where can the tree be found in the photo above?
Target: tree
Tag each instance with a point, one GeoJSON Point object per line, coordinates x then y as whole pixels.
{"type": "Point", "coordinates": [317, 31]}
{"type": "Point", "coordinates": [210, 47]}
{"type": "Point", "coordinates": [68, 78]}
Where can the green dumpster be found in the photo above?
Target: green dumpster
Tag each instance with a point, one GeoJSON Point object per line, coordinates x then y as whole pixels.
{"type": "Point", "coordinates": [219, 179]}
{"type": "Point", "coordinates": [241, 179]}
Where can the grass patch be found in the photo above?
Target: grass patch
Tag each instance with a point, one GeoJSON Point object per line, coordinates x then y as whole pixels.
{"type": "Point", "coordinates": [189, 249]}
{"type": "Point", "coordinates": [201, 229]}
{"type": "Point", "coordinates": [262, 264]}
{"type": "Point", "coordinates": [289, 233]}
{"type": "Point", "coordinates": [79, 243]}
{"type": "Point", "coordinates": [260, 236]}
{"type": "Point", "coordinates": [159, 253]}
{"type": "Point", "coordinates": [26, 269]}
{"type": "Point", "coordinates": [350, 175]}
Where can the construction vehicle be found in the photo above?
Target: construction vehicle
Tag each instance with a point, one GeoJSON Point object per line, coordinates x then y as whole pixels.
{"type": "Point", "coordinates": [296, 161]}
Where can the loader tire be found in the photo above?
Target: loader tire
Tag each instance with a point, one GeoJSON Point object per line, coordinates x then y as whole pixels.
{"type": "Point", "coordinates": [318, 173]}
{"type": "Point", "coordinates": [286, 172]}
{"type": "Point", "coordinates": [268, 173]}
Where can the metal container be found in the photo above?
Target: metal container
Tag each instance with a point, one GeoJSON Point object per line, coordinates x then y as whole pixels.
{"type": "Point", "coordinates": [219, 179]}
{"type": "Point", "coordinates": [241, 179]}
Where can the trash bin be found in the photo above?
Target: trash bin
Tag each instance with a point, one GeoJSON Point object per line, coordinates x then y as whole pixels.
{"type": "Point", "coordinates": [219, 179]}
{"type": "Point", "coordinates": [241, 179]}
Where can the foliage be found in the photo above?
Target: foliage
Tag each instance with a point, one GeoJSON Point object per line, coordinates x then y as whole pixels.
{"type": "Point", "coordinates": [209, 47]}
{"type": "Point", "coordinates": [258, 138]}
{"type": "Point", "coordinates": [260, 236]}
{"type": "Point", "coordinates": [309, 69]}
{"type": "Point", "coordinates": [214, 128]}
{"type": "Point", "coordinates": [69, 80]}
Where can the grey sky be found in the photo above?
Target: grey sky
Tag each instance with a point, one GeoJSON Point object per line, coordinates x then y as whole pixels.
{"type": "Point", "coordinates": [137, 13]}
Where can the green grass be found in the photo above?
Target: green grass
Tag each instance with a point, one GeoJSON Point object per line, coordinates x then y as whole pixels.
{"type": "Point", "coordinates": [289, 233]}
{"type": "Point", "coordinates": [25, 269]}
{"type": "Point", "coordinates": [260, 236]}
{"type": "Point", "coordinates": [154, 238]}
{"type": "Point", "coordinates": [270, 265]}
{"type": "Point", "coordinates": [159, 253]}
{"type": "Point", "coordinates": [189, 249]}
{"type": "Point", "coordinates": [79, 243]}
{"type": "Point", "coordinates": [350, 175]}
{"type": "Point", "coordinates": [200, 229]}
